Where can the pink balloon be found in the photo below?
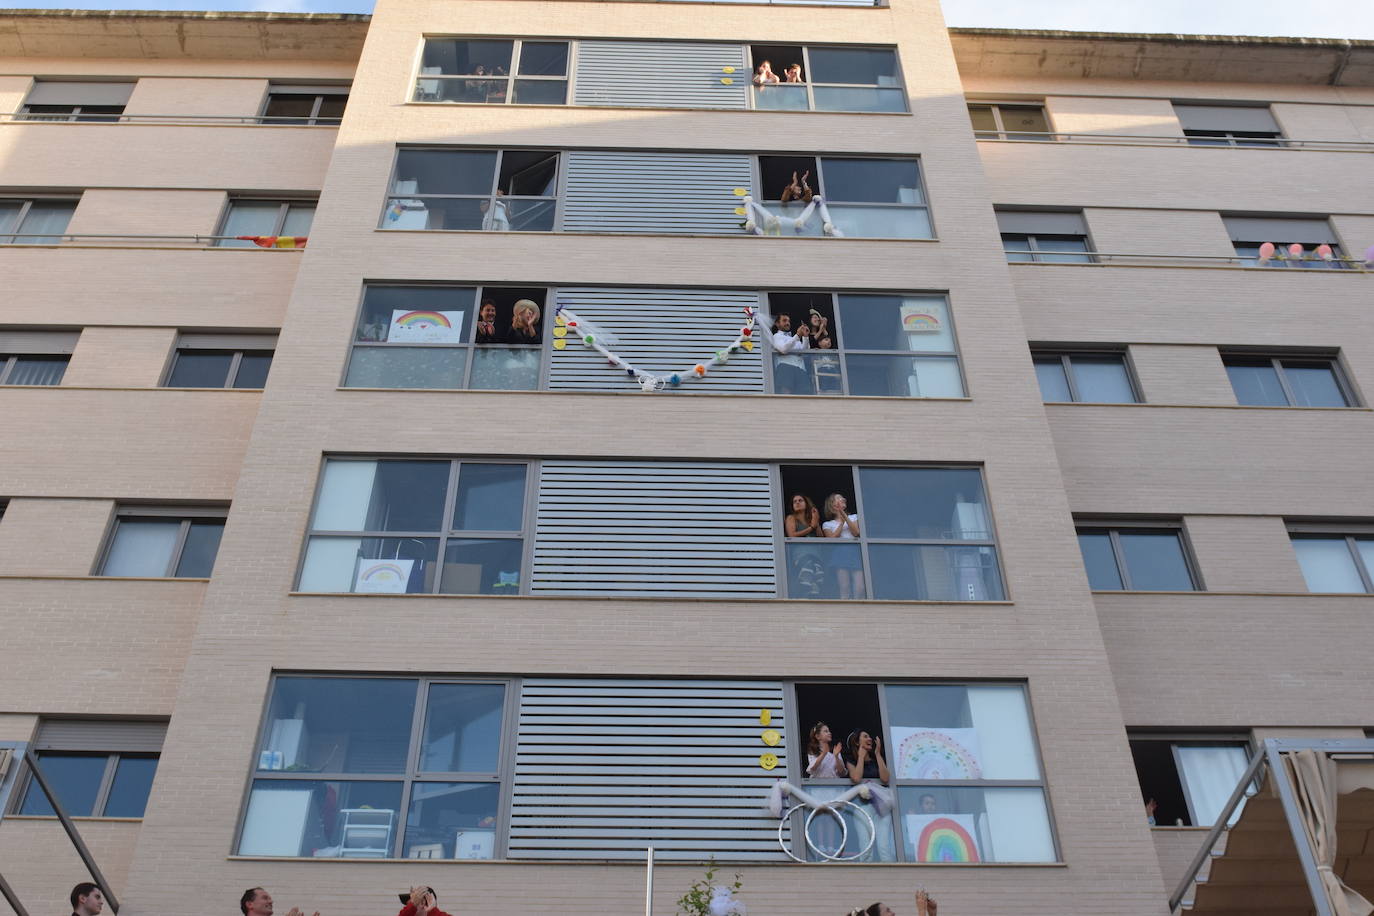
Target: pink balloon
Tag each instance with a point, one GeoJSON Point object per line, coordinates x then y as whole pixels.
{"type": "Point", "coordinates": [1295, 250]}
{"type": "Point", "coordinates": [1267, 251]}
{"type": "Point", "coordinates": [1325, 253]}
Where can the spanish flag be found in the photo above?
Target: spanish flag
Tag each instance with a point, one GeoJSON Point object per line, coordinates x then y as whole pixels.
{"type": "Point", "coordinates": [275, 241]}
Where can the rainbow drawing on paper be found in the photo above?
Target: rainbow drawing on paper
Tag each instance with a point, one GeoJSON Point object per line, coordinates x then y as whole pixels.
{"type": "Point", "coordinates": [425, 326]}
{"type": "Point", "coordinates": [937, 753]}
{"type": "Point", "coordinates": [422, 320]}
{"type": "Point", "coordinates": [946, 840]}
{"type": "Point", "coordinates": [922, 318]}
{"type": "Point", "coordinates": [382, 572]}
{"type": "Point", "coordinates": [918, 322]}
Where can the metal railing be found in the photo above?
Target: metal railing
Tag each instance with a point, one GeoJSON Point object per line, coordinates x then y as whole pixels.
{"type": "Point", "coordinates": [1108, 258]}
{"type": "Point", "coordinates": [7, 239]}
{"type": "Point", "coordinates": [1036, 136]}
{"type": "Point", "coordinates": [20, 117]}
{"type": "Point", "coordinates": [1244, 789]}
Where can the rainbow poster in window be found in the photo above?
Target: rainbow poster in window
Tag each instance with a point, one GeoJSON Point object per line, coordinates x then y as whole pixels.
{"type": "Point", "coordinates": [922, 318]}
{"type": "Point", "coordinates": [942, 837]}
{"type": "Point", "coordinates": [424, 326]}
{"type": "Point", "coordinates": [935, 753]}
{"type": "Point", "coordinates": [383, 577]}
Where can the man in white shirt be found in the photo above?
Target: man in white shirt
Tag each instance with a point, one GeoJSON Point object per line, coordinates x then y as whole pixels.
{"type": "Point", "coordinates": [790, 375]}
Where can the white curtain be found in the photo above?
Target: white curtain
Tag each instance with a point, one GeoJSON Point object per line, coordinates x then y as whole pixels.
{"type": "Point", "coordinates": [142, 548]}
{"type": "Point", "coordinates": [1006, 745]}
{"type": "Point", "coordinates": [345, 496]}
{"type": "Point", "coordinates": [1210, 774]}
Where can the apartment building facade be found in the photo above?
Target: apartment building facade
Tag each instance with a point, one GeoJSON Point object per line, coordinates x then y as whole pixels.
{"type": "Point", "coordinates": [425, 449]}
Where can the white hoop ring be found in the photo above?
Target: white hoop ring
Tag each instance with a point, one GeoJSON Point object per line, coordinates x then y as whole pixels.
{"type": "Point", "coordinates": [833, 809]}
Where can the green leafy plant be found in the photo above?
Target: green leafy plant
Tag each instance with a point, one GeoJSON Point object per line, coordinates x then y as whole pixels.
{"type": "Point", "coordinates": [697, 900]}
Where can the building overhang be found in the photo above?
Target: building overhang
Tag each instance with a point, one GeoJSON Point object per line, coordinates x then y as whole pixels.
{"type": "Point", "coordinates": [1188, 58]}
{"type": "Point", "coordinates": [142, 34]}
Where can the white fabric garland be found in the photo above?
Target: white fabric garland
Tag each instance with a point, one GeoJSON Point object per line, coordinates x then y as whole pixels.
{"type": "Point", "coordinates": [593, 337]}
{"type": "Point", "coordinates": [761, 221]}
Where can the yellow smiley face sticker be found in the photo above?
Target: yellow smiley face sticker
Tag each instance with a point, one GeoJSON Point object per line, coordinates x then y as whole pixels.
{"type": "Point", "coordinates": [560, 332]}
{"type": "Point", "coordinates": [727, 81]}
{"type": "Point", "coordinates": [768, 761]}
{"type": "Point", "coordinates": [739, 211]}
{"type": "Point", "coordinates": [740, 192]}
{"type": "Point", "coordinates": [560, 320]}
{"type": "Point", "coordinates": [560, 344]}
{"type": "Point", "coordinates": [765, 716]}
{"type": "Point", "coordinates": [771, 738]}
{"type": "Point", "coordinates": [727, 69]}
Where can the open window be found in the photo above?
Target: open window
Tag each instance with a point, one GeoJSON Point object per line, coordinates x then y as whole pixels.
{"type": "Point", "coordinates": [867, 197]}
{"type": "Point", "coordinates": [825, 78]}
{"type": "Point", "coordinates": [1188, 779]}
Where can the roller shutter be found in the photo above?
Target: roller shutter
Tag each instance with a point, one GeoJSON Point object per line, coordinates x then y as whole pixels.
{"type": "Point", "coordinates": [661, 74]}
{"type": "Point", "coordinates": [604, 768]}
{"type": "Point", "coordinates": [661, 528]}
{"type": "Point", "coordinates": [615, 191]}
{"type": "Point", "coordinates": [660, 331]}
{"type": "Point", "coordinates": [100, 735]}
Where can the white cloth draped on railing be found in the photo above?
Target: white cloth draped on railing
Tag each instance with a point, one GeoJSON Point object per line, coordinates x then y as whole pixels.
{"type": "Point", "coordinates": [761, 221]}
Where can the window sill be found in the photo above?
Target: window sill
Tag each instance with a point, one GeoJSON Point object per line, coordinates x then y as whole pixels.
{"type": "Point", "coordinates": [1229, 594]}
{"type": "Point", "coordinates": [84, 818]}
{"type": "Point", "coordinates": [637, 864]}
{"type": "Point", "coordinates": [1175, 262]}
{"type": "Point", "coordinates": [1195, 406]}
{"type": "Point", "coordinates": [665, 108]}
{"type": "Point", "coordinates": [657, 599]}
{"type": "Point", "coordinates": [102, 578]}
{"type": "Point", "coordinates": [834, 398]}
{"type": "Point", "coordinates": [1164, 828]}
{"type": "Point", "coordinates": [646, 235]}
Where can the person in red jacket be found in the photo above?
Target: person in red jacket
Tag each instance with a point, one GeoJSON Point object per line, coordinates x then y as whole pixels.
{"type": "Point", "coordinates": [421, 901]}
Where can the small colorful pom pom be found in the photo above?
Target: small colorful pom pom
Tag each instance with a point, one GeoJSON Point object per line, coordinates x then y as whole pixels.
{"type": "Point", "coordinates": [746, 331]}
{"type": "Point", "coordinates": [700, 369]}
{"type": "Point", "coordinates": [589, 340]}
{"type": "Point", "coordinates": [674, 380]}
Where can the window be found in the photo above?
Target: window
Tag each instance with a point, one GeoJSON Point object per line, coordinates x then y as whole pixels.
{"type": "Point", "coordinates": [308, 105]}
{"type": "Point", "coordinates": [221, 361]}
{"type": "Point", "coordinates": [867, 345]}
{"type": "Point", "coordinates": [345, 769]}
{"type": "Point", "coordinates": [919, 534]}
{"type": "Point", "coordinates": [1287, 381]}
{"type": "Point", "coordinates": [1148, 556]}
{"type": "Point", "coordinates": [163, 543]}
{"type": "Point", "coordinates": [1297, 243]}
{"type": "Point", "coordinates": [1101, 378]}
{"type": "Point", "coordinates": [515, 190]}
{"type": "Point", "coordinates": [35, 357]}
{"type": "Point", "coordinates": [97, 768]}
{"type": "Point", "coordinates": [827, 79]}
{"type": "Point", "coordinates": [1188, 780]}
{"type": "Point", "coordinates": [1335, 562]}
{"type": "Point", "coordinates": [259, 218]}
{"type": "Point", "coordinates": [389, 767]}
{"type": "Point", "coordinates": [493, 72]}
{"type": "Point", "coordinates": [1001, 121]}
{"type": "Point", "coordinates": [448, 337]}
{"type": "Point", "coordinates": [70, 100]}
{"type": "Point", "coordinates": [1228, 125]}
{"type": "Point", "coordinates": [381, 527]}
{"type": "Point", "coordinates": [867, 198]}
{"type": "Point", "coordinates": [1046, 236]}
{"type": "Point", "coordinates": [41, 221]}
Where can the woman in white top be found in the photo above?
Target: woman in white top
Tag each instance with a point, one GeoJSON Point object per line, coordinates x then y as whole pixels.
{"type": "Point", "coordinates": [848, 565]}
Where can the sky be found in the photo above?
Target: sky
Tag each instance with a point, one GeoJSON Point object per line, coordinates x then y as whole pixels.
{"type": "Point", "coordinates": [1219, 17]}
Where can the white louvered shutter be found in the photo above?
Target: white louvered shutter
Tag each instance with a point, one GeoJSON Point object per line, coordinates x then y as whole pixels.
{"type": "Point", "coordinates": [660, 528]}
{"type": "Point", "coordinates": [618, 191]}
{"type": "Point", "coordinates": [604, 768]}
{"type": "Point", "coordinates": [661, 331]}
{"type": "Point", "coordinates": [661, 74]}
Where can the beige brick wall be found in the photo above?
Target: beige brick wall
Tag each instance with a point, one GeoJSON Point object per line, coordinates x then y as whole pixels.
{"type": "Point", "coordinates": [120, 357]}
{"type": "Point", "coordinates": [15, 727]}
{"type": "Point", "coordinates": [1191, 374]}
{"type": "Point", "coordinates": [191, 288]}
{"type": "Point", "coordinates": [1097, 115]}
{"type": "Point", "coordinates": [12, 92]}
{"type": "Point", "coordinates": [1244, 553]}
{"type": "Point", "coordinates": [1158, 232]}
{"type": "Point", "coordinates": [53, 537]}
{"type": "Point", "coordinates": [42, 866]}
{"type": "Point", "coordinates": [104, 211]}
{"type": "Point", "coordinates": [204, 97]}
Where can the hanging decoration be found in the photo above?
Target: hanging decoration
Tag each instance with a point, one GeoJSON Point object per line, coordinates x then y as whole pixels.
{"type": "Point", "coordinates": [879, 796]}
{"type": "Point", "coordinates": [1295, 252]}
{"type": "Point", "coordinates": [274, 241]}
{"type": "Point", "coordinates": [569, 324]}
{"type": "Point", "coordinates": [761, 221]}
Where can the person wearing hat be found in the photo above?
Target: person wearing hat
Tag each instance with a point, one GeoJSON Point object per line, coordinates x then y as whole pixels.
{"type": "Point", "coordinates": [524, 323]}
{"type": "Point", "coordinates": [420, 901]}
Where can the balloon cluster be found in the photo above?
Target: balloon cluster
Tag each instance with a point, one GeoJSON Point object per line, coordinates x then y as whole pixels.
{"type": "Point", "coordinates": [569, 324]}
{"type": "Point", "coordinates": [1294, 252]}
